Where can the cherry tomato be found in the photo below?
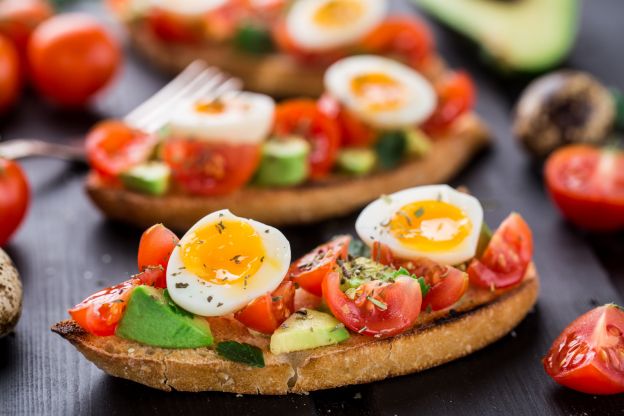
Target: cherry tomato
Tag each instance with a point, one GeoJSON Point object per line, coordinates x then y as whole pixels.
{"type": "Point", "coordinates": [406, 37]}
{"type": "Point", "coordinates": [507, 256]}
{"type": "Point", "coordinates": [72, 57]}
{"type": "Point", "coordinates": [19, 18]}
{"type": "Point", "coordinates": [100, 313]}
{"type": "Point", "coordinates": [380, 309]}
{"type": "Point", "coordinates": [153, 276]}
{"type": "Point", "coordinates": [211, 168]}
{"type": "Point", "coordinates": [304, 118]}
{"type": "Point", "coordinates": [10, 79]}
{"type": "Point", "coordinates": [456, 96]}
{"type": "Point", "coordinates": [588, 355]}
{"type": "Point", "coordinates": [113, 147]}
{"type": "Point", "coordinates": [587, 184]}
{"type": "Point", "coordinates": [171, 27]}
{"type": "Point", "coordinates": [266, 313]}
{"type": "Point", "coordinates": [309, 271]}
{"type": "Point", "coordinates": [353, 131]}
{"type": "Point", "coordinates": [156, 245]}
{"type": "Point", "coordinates": [14, 198]}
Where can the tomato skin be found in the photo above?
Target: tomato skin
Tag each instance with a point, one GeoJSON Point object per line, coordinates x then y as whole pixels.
{"type": "Point", "coordinates": [353, 131]}
{"type": "Point", "coordinates": [310, 270]}
{"type": "Point", "coordinates": [72, 57]}
{"type": "Point", "coordinates": [402, 299]}
{"type": "Point", "coordinates": [506, 258]}
{"type": "Point", "coordinates": [100, 313]}
{"type": "Point", "coordinates": [156, 245]}
{"type": "Point", "coordinates": [406, 37]}
{"type": "Point", "coordinates": [266, 313]}
{"type": "Point", "coordinates": [19, 18]}
{"type": "Point", "coordinates": [456, 96]}
{"type": "Point", "coordinates": [14, 200]}
{"type": "Point", "coordinates": [208, 169]}
{"type": "Point", "coordinates": [113, 147]}
{"type": "Point", "coordinates": [587, 185]}
{"type": "Point", "coordinates": [587, 356]}
{"type": "Point", "coordinates": [153, 276]}
{"type": "Point", "coordinates": [303, 117]}
{"type": "Point", "coordinates": [170, 27]}
{"type": "Point", "coordinates": [10, 78]}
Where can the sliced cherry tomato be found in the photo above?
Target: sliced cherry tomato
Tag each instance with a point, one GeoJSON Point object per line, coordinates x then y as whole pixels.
{"type": "Point", "coordinates": [176, 28]}
{"type": "Point", "coordinates": [353, 131]}
{"type": "Point", "coordinates": [309, 271]}
{"type": "Point", "coordinates": [266, 313]}
{"type": "Point", "coordinates": [100, 313]}
{"type": "Point", "coordinates": [19, 18]}
{"type": "Point", "coordinates": [10, 79]}
{"type": "Point", "coordinates": [405, 37]}
{"type": "Point", "coordinates": [156, 245]}
{"type": "Point", "coordinates": [506, 258]}
{"type": "Point", "coordinates": [113, 147]}
{"type": "Point", "coordinates": [304, 118]}
{"type": "Point", "coordinates": [14, 198]}
{"type": "Point", "coordinates": [587, 184]}
{"type": "Point", "coordinates": [456, 96]}
{"type": "Point", "coordinates": [588, 356]}
{"type": "Point", "coordinates": [153, 276]}
{"type": "Point", "coordinates": [72, 57]}
{"type": "Point", "coordinates": [379, 309]}
{"type": "Point", "coordinates": [211, 168]}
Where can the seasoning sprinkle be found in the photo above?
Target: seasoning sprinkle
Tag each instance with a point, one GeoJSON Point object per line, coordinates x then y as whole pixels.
{"type": "Point", "coordinates": [209, 299]}
{"type": "Point", "coordinates": [181, 285]}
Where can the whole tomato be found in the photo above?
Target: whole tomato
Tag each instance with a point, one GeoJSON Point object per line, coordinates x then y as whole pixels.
{"type": "Point", "coordinates": [72, 57]}
{"type": "Point", "coordinates": [10, 80]}
{"type": "Point", "coordinates": [14, 198]}
{"type": "Point", "coordinates": [19, 18]}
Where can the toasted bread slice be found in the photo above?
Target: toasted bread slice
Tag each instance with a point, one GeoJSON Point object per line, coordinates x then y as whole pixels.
{"type": "Point", "coordinates": [10, 295]}
{"type": "Point", "coordinates": [480, 318]}
{"type": "Point", "coordinates": [297, 205]}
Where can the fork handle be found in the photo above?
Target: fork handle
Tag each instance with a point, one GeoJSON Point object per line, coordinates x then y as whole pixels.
{"type": "Point", "coordinates": [23, 148]}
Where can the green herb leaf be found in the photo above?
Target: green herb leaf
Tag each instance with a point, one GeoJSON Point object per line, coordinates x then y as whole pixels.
{"type": "Point", "coordinates": [357, 248]}
{"type": "Point", "coordinates": [391, 147]}
{"type": "Point", "coordinates": [419, 212]}
{"type": "Point", "coordinates": [241, 353]}
{"type": "Point", "coordinates": [178, 310]}
{"type": "Point", "coordinates": [618, 99]}
{"type": "Point", "coordinates": [381, 305]}
{"type": "Point", "coordinates": [424, 287]}
{"type": "Point", "coordinates": [253, 38]}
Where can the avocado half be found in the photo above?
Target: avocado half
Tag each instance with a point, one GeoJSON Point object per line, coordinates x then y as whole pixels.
{"type": "Point", "coordinates": [520, 35]}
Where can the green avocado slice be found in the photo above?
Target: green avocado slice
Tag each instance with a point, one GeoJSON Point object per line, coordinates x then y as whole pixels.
{"type": "Point", "coordinates": [520, 35]}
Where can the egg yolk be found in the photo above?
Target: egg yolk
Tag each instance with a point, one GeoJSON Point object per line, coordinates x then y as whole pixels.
{"type": "Point", "coordinates": [430, 226]}
{"type": "Point", "coordinates": [338, 13]}
{"type": "Point", "coordinates": [378, 91]}
{"type": "Point", "coordinates": [210, 107]}
{"type": "Point", "coordinates": [225, 252]}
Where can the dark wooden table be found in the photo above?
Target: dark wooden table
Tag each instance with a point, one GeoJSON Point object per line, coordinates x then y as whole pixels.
{"type": "Point", "coordinates": [67, 250]}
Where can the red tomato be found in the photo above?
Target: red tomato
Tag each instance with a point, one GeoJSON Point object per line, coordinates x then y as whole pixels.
{"type": "Point", "coordinates": [506, 258]}
{"type": "Point", "coordinates": [14, 198]}
{"type": "Point", "coordinates": [587, 184]}
{"type": "Point", "coordinates": [171, 27]}
{"type": "Point", "coordinates": [588, 355]}
{"type": "Point", "coordinates": [10, 79]}
{"type": "Point", "coordinates": [406, 37]}
{"type": "Point", "coordinates": [353, 131]}
{"type": "Point", "coordinates": [380, 309]}
{"type": "Point", "coordinates": [456, 96]}
{"type": "Point", "coordinates": [211, 168]}
{"type": "Point", "coordinates": [100, 313]}
{"type": "Point", "coordinates": [153, 276]}
{"type": "Point", "coordinates": [113, 147]}
{"type": "Point", "coordinates": [72, 57]}
{"type": "Point", "coordinates": [266, 313]}
{"type": "Point", "coordinates": [304, 118]}
{"type": "Point", "coordinates": [19, 18]}
{"type": "Point", "coordinates": [309, 271]}
{"type": "Point", "coordinates": [156, 245]}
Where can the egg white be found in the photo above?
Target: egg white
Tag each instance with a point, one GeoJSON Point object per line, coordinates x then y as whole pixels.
{"type": "Point", "coordinates": [194, 297]}
{"type": "Point", "coordinates": [189, 8]}
{"type": "Point", "coordinates": [247, 119]}
{"type": "Point", "coordinates": [420, 97]}
{"type": "Point", "coordinates": [369, 225]}
{"type": "Point", "coordinates": [311, 36]}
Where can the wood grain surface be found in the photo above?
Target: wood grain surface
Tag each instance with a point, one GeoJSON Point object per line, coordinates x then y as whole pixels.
{"type": "Point", "coordinates": [66, 250]}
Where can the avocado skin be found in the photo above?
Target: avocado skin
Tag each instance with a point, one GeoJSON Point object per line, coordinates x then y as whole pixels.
{"type": "Point", "coordinates": [307, 329]}
{"type": "Point", "coordinates": [150, 319]}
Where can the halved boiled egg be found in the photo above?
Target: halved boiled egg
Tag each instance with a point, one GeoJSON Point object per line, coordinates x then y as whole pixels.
{"type": "Point", "coordinates": [224, 262]}
{"type": "Point", "coordinates": [190, 8]}
{"type": "Point", "coordinates": [317, 25]}
{"type": "Point", "coordinates": [436, 222]}
{"type": "Point", "coordinates": [239, 117]}
{"type": "Point", "coordinates": [381, 91]}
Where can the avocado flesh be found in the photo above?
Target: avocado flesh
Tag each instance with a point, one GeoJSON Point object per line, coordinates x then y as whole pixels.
{"type": "Point", "coordinates": [150, 178]}
{"type": "Point", "coordinates": [307, 329]}
{"type": "Point", "coordinates": [357, 161]}
{"type": "Point", "coordinates": [521, 35]}
{"type": "Point", "coordinates": [151, 319]}
{"type": "Point", "coordinates": [284, 162]}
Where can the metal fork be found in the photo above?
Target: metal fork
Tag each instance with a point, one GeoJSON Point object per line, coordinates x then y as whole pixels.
{"type": "Point", "coordinates": [197, 80]}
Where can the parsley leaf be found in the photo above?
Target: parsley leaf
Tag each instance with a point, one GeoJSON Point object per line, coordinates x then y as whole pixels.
{"type": "Point", "coordinates": [241, 353]}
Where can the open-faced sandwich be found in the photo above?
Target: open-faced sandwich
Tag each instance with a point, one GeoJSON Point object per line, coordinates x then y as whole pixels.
{"type": "Point", "coordinates": [380, 127]}
{"type": "Point", "coordinates": [278, 47]}
{"type": "Point", "coordinates": [223, 309]}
